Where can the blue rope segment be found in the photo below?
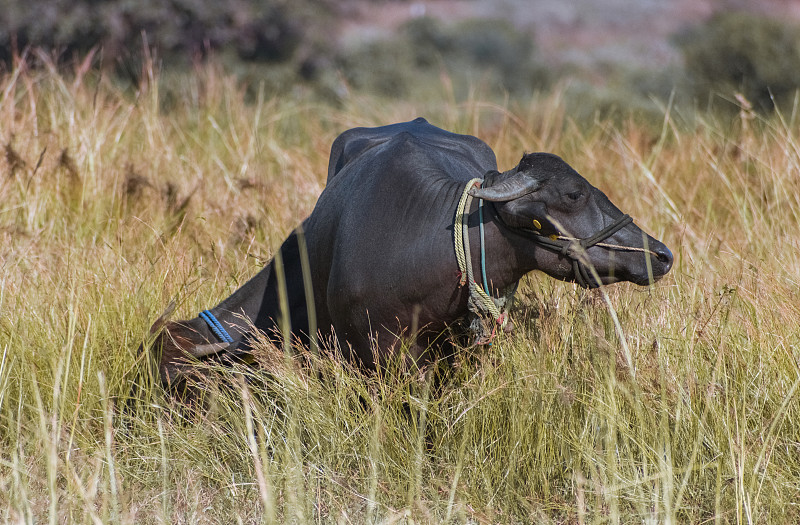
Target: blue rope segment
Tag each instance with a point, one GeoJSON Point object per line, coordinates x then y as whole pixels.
{"type": "Point", "coordinates": [483, 247]}
{"type": "Point", "coordinates": [216, 326]}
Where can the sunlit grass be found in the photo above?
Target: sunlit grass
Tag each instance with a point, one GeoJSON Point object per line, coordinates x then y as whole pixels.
{"type": "Point", "coordinates": [114, 203]}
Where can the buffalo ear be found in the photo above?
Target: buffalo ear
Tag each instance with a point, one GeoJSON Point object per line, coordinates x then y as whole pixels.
{"type": "Point", "coordinates": [527, 215]}
{"type": "Point", "coordinates": [513, 187]}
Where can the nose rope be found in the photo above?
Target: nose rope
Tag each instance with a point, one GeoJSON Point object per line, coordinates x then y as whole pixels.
{"type": "Point", "coordinates": [573, 247]}
{"type": "Point", "coordinates": [618, 247]}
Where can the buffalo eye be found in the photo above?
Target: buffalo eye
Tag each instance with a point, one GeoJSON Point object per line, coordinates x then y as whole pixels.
{"type": "Point", "coordinates": [575, 199]}
{"type": "Point", "coordinates": [575, 195]}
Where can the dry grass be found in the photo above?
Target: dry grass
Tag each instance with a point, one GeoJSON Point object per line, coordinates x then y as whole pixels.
{"type": "Point", "coordinates": [111, 206]}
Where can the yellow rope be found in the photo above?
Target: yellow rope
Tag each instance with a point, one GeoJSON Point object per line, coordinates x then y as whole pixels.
{"type": "Point", "coordinates": [462, 212]}
{"type": "Point", "coordinates": [461, 241]}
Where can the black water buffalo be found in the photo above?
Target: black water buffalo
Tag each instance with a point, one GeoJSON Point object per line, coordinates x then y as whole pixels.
{"type": "Point", "coordinates": [380, 252]}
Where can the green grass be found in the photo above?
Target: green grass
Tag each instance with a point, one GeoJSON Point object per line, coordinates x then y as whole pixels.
{"type": "Point", "coordinates": [112, 205]}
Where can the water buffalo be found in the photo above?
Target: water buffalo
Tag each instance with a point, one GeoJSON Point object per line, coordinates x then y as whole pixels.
{"type": "Point", "coordinates": [379, 249]}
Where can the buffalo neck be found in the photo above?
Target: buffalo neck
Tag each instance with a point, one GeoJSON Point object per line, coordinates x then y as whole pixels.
{"type": "Point", "coordinates": [510, 254]}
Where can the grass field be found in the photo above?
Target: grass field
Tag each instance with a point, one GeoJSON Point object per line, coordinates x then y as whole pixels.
{"type": "Point", "coordinates": [113, 203]}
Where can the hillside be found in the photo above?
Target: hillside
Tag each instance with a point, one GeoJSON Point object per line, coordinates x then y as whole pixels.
{"type": "Point", "coordinates": [588, 34]}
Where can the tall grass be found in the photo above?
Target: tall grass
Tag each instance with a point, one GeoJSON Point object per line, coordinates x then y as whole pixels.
{"type": "Point", "coordinates": [114, 203]}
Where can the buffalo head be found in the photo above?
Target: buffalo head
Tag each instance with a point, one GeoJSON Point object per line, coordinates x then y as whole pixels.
{"type": "Point", "coordinates": [570, 229]}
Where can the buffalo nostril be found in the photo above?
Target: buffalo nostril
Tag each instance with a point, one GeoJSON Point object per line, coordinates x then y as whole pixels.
{"type": "Point", "coordinates": [663, 255]}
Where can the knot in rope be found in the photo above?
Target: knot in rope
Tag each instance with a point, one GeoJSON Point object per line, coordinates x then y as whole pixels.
{"type": "Point", "coordinates": [575, 248]}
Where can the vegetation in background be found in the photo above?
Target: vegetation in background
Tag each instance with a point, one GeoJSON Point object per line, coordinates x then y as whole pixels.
{"type": "Point", "coordinates": [285, 42]}
{"type": "Point", "coordinates": [737, 52]}
{"type": "Point", "coordinates": [291, 45]}
{"type": "Point", "coordinates": [269, 31]}
{"type": "Point", "coordinates": [492, 53]}
{"type": "Point", "coordinates": [111, 207]}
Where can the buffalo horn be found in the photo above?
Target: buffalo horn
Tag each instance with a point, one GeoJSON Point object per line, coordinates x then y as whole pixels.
{"type": "Point", "coordinates": [513, 187]}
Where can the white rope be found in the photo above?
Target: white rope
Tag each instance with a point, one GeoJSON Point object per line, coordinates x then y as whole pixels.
{"type": "Point", "coordinates": [617, 247]}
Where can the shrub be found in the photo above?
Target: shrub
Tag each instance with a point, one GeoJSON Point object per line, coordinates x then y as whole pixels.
{"type": "Point", "coordinates": [492, 52]}
{"type": "Point", "coordinates": [741, 52]}
{"type": "Point", "coordinates": [269, 30]}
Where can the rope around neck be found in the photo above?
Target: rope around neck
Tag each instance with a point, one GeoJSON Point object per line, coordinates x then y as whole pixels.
{"type": "Point", "coordinates": [216, 326]}
{"type": "Point", "coordinates": [483, 245]}
{"type": "Point", "coordinates": [479, 299]}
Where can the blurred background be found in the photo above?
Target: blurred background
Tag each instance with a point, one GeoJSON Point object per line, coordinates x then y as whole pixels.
{"type": "Point", "coordinates": [604, 55]}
